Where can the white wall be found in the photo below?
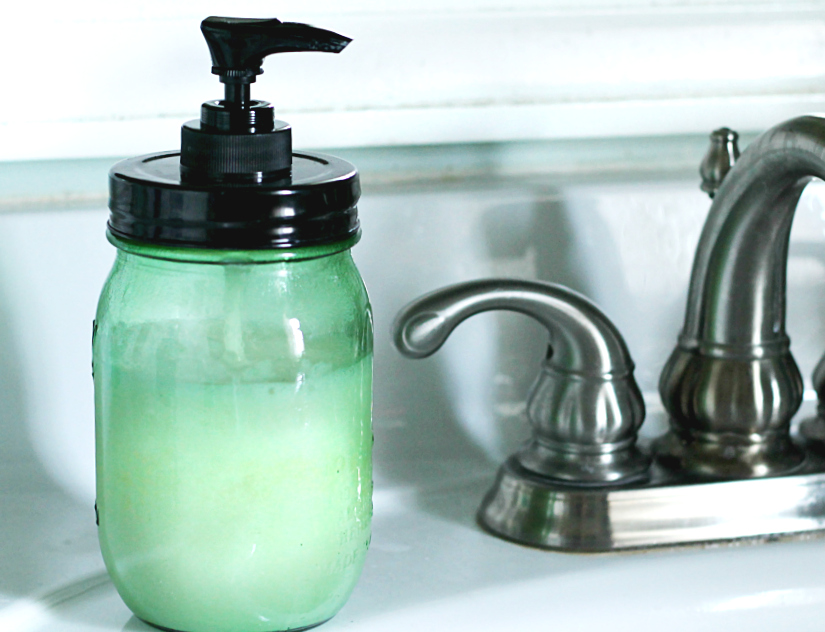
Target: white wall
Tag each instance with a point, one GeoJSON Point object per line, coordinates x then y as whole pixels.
{"type": "Point", "coordinates": [96, 78]}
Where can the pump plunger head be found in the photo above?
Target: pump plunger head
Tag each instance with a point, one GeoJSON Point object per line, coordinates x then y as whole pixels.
{"type": "Point", "coordinates": [238, 139]}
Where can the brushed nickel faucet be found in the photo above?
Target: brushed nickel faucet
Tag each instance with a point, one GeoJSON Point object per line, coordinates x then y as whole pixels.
{"type": "Point", "coordinates": [731, 385]}
{"type": "Point", "coordinates": [584, 407]}
{"type": "Point", "coordinates": [728, 467]}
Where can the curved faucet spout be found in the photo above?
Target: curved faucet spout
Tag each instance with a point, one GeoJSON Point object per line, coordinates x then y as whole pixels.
{"type": "Point", "coordinates": [732, 386]}
{"type": "Point", "coordinates": [737, 291]}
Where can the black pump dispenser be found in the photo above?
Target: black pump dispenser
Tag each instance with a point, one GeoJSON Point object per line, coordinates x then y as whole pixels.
{"type": "Point", "coordinates": [238, 139]}
{"type": "Point", "coordinates": [236, 182]}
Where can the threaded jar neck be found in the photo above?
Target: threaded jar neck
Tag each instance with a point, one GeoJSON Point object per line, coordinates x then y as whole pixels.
{"type": "Point", "coordinates": [229, 257]}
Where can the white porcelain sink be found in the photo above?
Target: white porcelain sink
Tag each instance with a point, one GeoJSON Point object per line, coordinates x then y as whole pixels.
{"type": "Point", "coordinates": [431, 568]}
{"type": "Point", "coordinates": [442, 425]}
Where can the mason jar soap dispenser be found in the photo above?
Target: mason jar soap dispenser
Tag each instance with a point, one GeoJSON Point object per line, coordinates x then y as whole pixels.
{"type": "Point", "coordinates": [233, 366]}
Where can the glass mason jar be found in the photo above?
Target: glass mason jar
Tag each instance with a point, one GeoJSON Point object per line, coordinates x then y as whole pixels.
{"type": "Point", "coordinates": [233, 395]}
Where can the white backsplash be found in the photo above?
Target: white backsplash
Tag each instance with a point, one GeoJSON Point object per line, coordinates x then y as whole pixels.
{"type": "Point", "coordinates": [627, 244]}
{"type": "Point", "coordinates": [430, 72]}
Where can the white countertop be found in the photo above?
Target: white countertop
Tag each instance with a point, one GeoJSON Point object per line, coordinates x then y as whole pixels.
{"type": "Point", "coordinates": [430, 567]}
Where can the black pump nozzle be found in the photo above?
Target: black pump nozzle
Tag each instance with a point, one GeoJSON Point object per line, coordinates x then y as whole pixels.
{"type": "Point", "coordinates": [238, 47]}
{"type": "Point", "coordinates": [238, 138]}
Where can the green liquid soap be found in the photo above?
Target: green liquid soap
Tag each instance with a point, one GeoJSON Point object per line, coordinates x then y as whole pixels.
{"type": "Point", "coordinates": [233, 406]}
{"type": "Point", "coordinates": [242, 506]}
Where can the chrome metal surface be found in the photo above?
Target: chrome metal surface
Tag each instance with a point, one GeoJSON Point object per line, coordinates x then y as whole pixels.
{"type": "Point", "coordinates": [728, 468]}
{"type": "Point", "coordinates": [731, 385]}
{"type": "Point", "coordinates": [722, 154]}
{"type": "Point", "coordinates": [584, 407]}
{"type": "Point", "coordinates": [665, 511]}
{"type": "Point", "coordinates": [814, 429]}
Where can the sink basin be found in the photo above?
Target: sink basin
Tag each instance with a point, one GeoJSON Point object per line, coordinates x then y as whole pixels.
{"type": "Point", "coordinates": [442, 425]}
{"type": "Point", "coordinates": [430, 567]}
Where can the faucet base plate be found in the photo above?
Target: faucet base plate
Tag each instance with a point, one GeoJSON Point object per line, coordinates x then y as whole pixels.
{"type": "Point", "coordinates": [669, 509]}
{"type": "Point", "coordinates": [728, 461]}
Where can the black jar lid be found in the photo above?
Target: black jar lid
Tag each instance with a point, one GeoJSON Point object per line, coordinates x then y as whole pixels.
{"type": "Point", "coordinates": [236, 183]}
{"type": "Point", "coordinates": [312, 205]}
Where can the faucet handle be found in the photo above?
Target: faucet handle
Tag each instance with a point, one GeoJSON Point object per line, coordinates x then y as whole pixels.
{"type": "Point", "coordinates": [584, 407]}
{"type": "Point", "coordinates": [722, 154]}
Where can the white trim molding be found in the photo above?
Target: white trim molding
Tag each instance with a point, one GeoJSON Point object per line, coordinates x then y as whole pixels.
{"type": "Point", "coordinates": [117, 79]}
